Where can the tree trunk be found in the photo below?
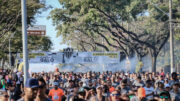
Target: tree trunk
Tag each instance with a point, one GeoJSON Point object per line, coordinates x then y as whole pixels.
{"type": "Point", "coordinates": [139, 57]}
{"type": "Point", "coordinates": [3, 62]}
{"type": "Point", "coordinates": [154, 58]}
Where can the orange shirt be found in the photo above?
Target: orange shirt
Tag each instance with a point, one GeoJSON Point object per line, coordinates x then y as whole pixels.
{"type": "Point", "coordinates": [111, 89]}
{"type": "Point", "coordinates": [56, 94]}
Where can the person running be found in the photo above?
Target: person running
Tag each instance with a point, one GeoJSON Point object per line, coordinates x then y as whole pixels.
{"type": "Point", "coordinates": [41, 95]}
{"type": "Point", "coordinates": [149, 90]}
{"type": "Point", "coordinates": [159, 89]}
{"type": "Point", "coordinates": [4, 96]}
{"type": "Point", "coordinates": [174, 79]}
{"type": "Point", "coordinates": [175, 93]}
{"type": "Point", "coordinates": [165, 96]}
{"type": "Point", "coordinates": [56, 94]}
{"type": "Point", "coordinates": [99, 95]}
{"type": "Point", "coordinates": [3, 83]}
{"type": "Point", "coordinates": [30, 90]}
{"type": "Point", "coordinates": [115, 96]}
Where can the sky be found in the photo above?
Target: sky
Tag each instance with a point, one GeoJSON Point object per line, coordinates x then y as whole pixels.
{"type": "Point", "coordinates": [41, 19]}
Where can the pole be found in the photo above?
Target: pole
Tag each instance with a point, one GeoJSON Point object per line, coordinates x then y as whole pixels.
{"type": "Point", "coordinates": [171, 37]}
{"type": "Point", "coordinates": [10, 52]}
{"type": "Point", "coordinates": [24, 38]}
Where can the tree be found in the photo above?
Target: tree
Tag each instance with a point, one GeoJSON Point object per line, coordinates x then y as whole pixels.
{"type": "Point", "coordinates": [90, 16]}
{"type": "Point", "coordinates": [10, 22]}
{"type": "Point", "coordinates": [105, 19]}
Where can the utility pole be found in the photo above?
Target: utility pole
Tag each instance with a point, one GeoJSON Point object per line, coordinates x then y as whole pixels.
{"type": "Point", "coordinates": [12, 35]}
{"type": "Point", "coordinates": [24, 38]}
{"type": "Point", "coordinates": [171, 37]}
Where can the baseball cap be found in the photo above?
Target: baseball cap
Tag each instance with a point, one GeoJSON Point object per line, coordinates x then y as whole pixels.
{"type": "Point", "coordinates": [32, 83]}
{"type": "Point", "coordinates": [176, 83]}
{"type": "Point", "coordinates": [81, 89]}
{"type": "Point", "coordinates": [98, 87]}
{"type": "Point", "coordinates": [167, 85]}
{"type": "Point", "coordinates": [55, 83]}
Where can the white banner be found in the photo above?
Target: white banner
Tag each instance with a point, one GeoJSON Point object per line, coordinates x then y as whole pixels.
{"type": "Point", "coordinates": [73, 58]}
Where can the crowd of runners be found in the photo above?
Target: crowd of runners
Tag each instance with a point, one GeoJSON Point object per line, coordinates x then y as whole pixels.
{"type": "Point", "coordinates": [89, 86]}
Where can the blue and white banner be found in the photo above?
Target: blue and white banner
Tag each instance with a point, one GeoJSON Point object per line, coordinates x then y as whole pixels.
{"type": "Point", "coordinates": [73, 58]}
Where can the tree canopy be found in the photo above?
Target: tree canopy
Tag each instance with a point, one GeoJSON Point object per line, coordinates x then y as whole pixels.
{"type": "Point", "coordinates": [10, 22]}
{"type": "Point", "coordinates": [130, 26]}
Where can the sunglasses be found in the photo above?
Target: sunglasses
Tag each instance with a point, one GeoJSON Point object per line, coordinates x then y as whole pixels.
{"type": "Point", "coordinates": [164, 97]}
{"type": "Point", "coordinates": [114, 94]}
{"type": "Point", "coordinates": [6, 96]}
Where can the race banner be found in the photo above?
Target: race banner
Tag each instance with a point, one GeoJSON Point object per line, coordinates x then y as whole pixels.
{"type": "Point", "coordinates": [73, 58]}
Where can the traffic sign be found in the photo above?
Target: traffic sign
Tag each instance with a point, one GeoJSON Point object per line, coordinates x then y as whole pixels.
{"type": "Point", "coordinates": [37, 30]}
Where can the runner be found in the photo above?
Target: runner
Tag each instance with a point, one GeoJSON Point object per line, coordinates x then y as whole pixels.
{"type": "Point", "coordinates": [90, 86]}
{"type": "Point", "coordinates": [41, 95]}
{"type": "Point", "coordinates": [56, 94]}
{"type": "Point", "coordinates": [30, 90]}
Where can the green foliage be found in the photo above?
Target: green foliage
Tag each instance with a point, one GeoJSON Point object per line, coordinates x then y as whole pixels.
{"type": "Point", "coordinates": [10, 22]}
{"type": "Point", "coordinates": [126, 25]}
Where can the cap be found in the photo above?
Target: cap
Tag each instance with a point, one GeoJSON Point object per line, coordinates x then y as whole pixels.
{"type": "Point", "coordinates": [32, 83]}
{"type": "Point", "coordinates": [55, 83]}
{"type": "Point", "coordinates": [176, 83]}
{"type": "Point", "coordinates": [98, 87]}
{"type": "Point", "coordinates": [126, 73]}
{"type": "Point", "coordinates": [164, 93]}
{"type": "Point", "coordinates": [81, 89]}
{"type": "Point", "coordinates": [141, 92]}
{"type": "Point", "coordinates": [167, 85]}
{"type": "Point", "coordinates": [160, 82]}
{"type": "Point", "coordinates": [15, 70]}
